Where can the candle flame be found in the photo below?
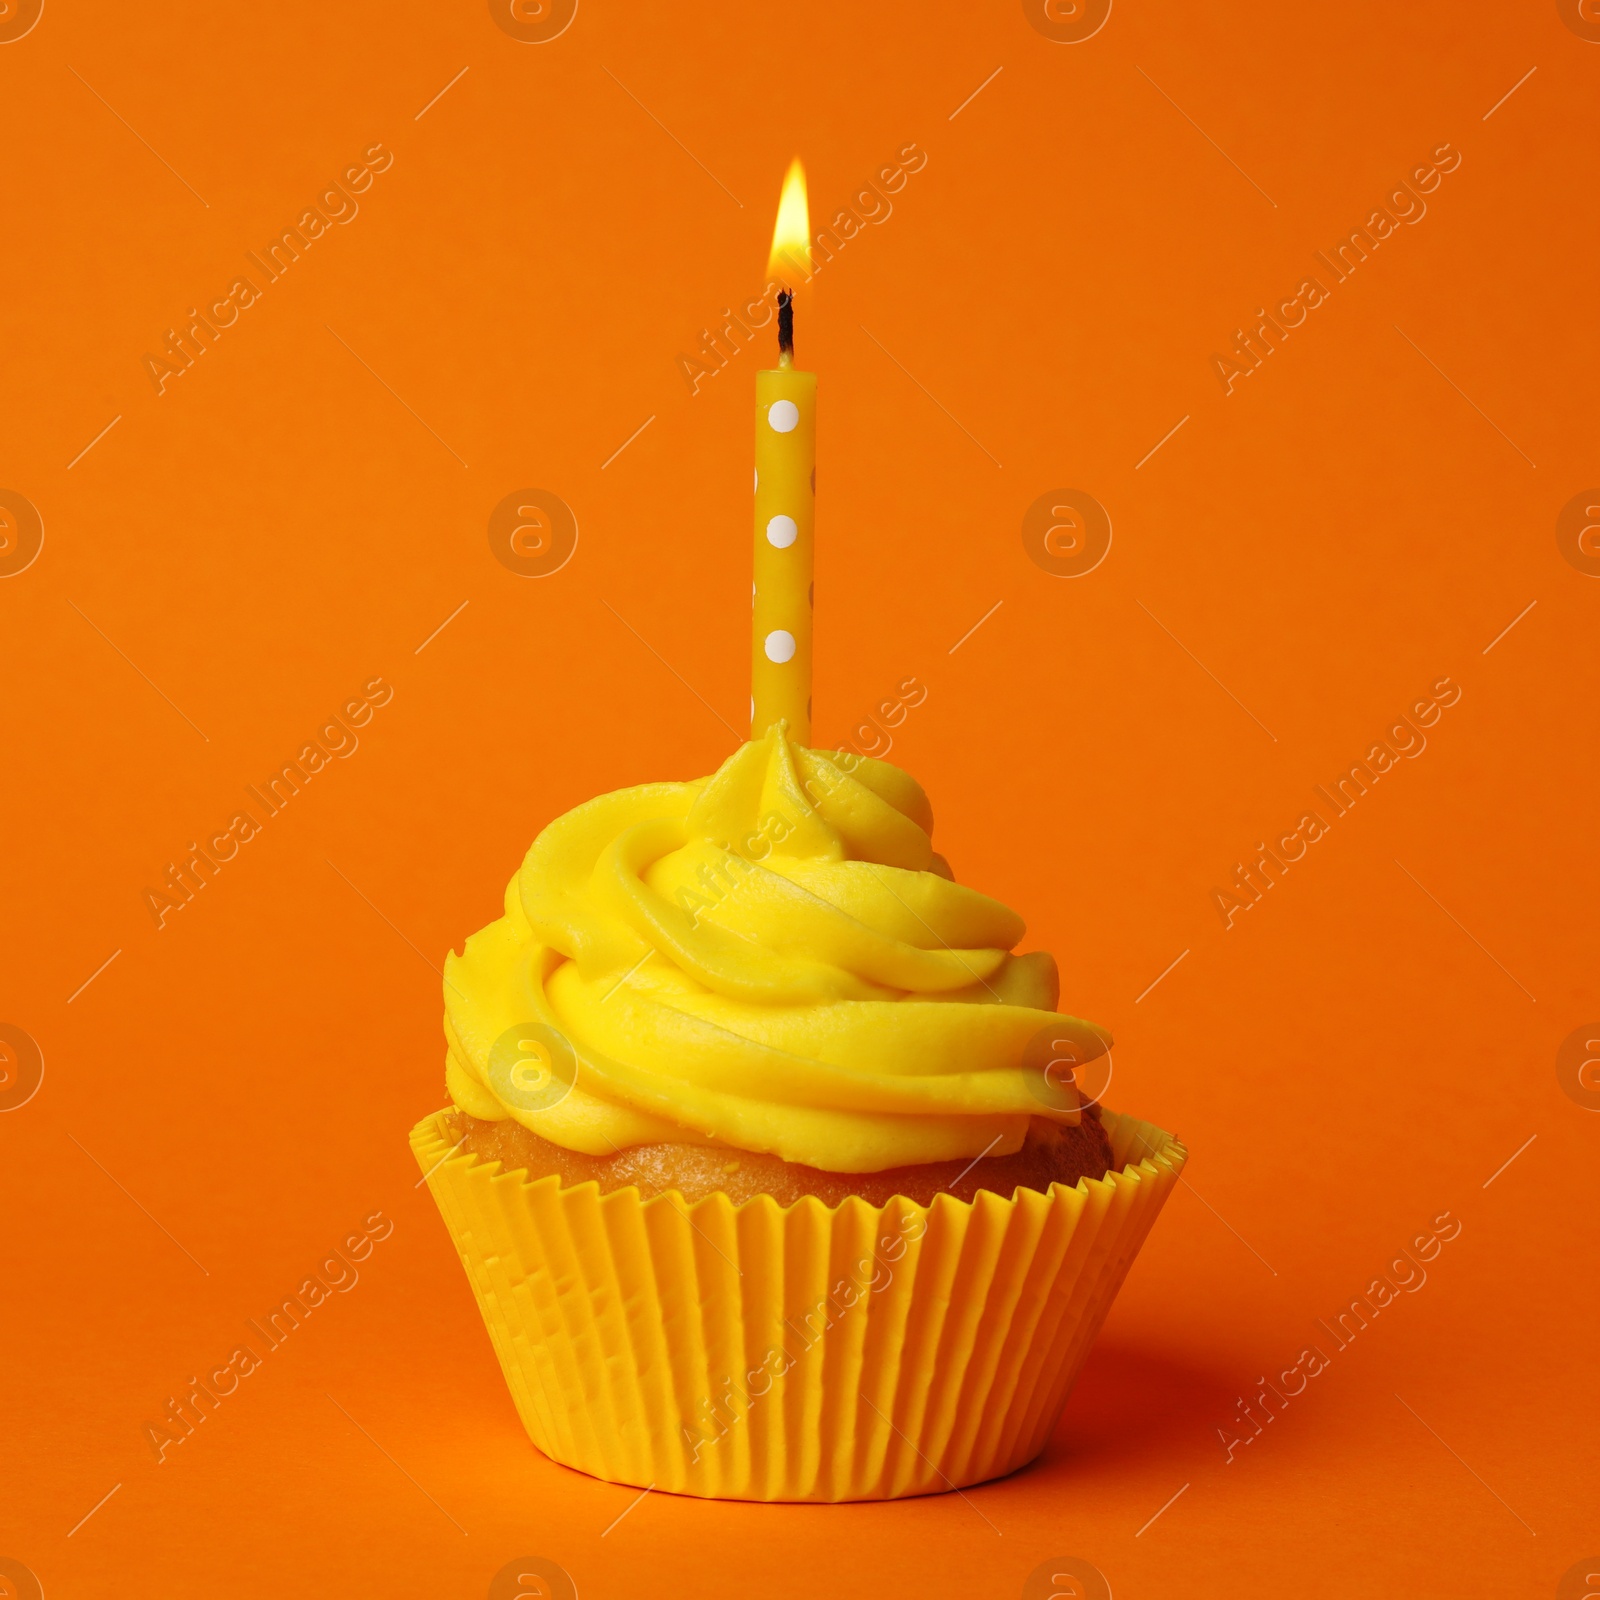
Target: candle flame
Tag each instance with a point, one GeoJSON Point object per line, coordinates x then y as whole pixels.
{"type": "Point", "coordinates": [791, 235]}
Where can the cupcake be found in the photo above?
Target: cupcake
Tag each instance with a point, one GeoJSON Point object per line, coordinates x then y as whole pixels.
{"type": "Point", "coordinates": [765, 1156]}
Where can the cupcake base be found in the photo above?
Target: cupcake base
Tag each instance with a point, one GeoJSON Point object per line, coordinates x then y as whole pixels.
{"type": "Point", "coordinates": [1050, 1154]}
{"type": "Point", "coordinates": [766, 1352]}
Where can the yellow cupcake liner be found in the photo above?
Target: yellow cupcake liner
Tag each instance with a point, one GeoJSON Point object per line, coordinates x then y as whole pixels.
{"type": "Point", "coordinates": [767, 1352]}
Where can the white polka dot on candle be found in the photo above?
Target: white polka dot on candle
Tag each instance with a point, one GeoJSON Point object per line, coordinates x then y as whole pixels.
{"type": "Point", "coordinates": [784, 415]}
{"type": "Point", "coordinates": [780, 646]}
{"type": "Point", "coordinates": [782, 532]}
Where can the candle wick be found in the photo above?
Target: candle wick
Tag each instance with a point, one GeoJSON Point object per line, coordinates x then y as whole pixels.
{"type": "Point", "coordinates": [785, 328]}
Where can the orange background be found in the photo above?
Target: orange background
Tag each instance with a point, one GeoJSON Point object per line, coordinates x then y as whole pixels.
{"type": "Point", "coordinates": [236, 557]}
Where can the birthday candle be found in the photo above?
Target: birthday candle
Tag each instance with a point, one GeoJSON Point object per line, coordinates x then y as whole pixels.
{"type": "Point", "coordinates": [785, 494]}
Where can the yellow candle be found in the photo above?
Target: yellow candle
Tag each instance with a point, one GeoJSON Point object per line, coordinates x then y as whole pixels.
{"type": "Point", "coordinates": [785, 495]}
{"type": "Point", "coordinates": [786, 461]}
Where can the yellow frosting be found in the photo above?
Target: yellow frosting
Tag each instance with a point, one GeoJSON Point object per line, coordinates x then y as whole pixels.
{"type": "Point", "coordinates": [773, 958]}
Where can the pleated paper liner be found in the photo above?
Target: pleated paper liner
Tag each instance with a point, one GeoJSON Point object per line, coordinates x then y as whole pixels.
{"type": "Point", "coordinates": [762, 1352]}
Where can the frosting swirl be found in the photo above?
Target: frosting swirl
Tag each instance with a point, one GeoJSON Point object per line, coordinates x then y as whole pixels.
{"type": "Point", "coordinates": [773, 958]}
